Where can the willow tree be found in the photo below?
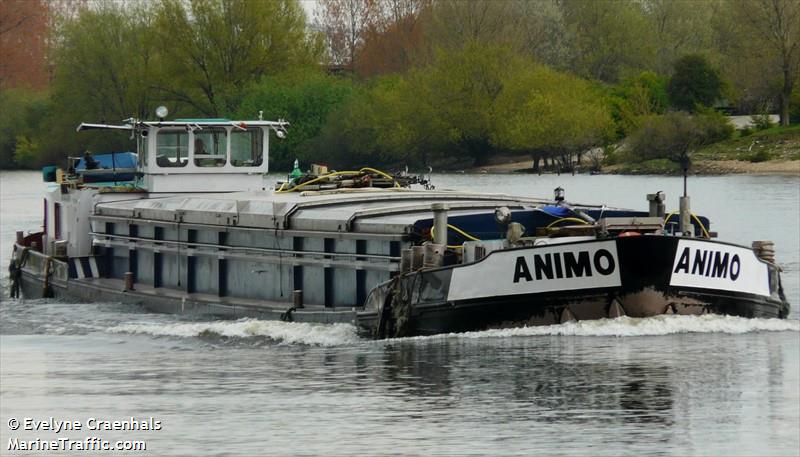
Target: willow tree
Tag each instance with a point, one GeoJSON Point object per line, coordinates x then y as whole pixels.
{"type": "Point", "coordinates": [214, 49]}
{"type": "Point", "coordinates": [456, 96]}
{"type": "Point", "coordinates": [550, 114]}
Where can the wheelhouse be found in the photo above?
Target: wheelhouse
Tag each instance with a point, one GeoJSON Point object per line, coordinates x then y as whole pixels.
{"type": "Point", "coordinates": [173, 153]}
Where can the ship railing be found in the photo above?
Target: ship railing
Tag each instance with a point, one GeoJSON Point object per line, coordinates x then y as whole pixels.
{"type": "Point", "coordinates": [334, 259]}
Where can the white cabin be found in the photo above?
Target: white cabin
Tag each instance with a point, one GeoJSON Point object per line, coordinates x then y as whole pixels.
{"type": "Point", "coordinates": [173, 157]}
{"type": "Point", "coordinates": [201, 155]}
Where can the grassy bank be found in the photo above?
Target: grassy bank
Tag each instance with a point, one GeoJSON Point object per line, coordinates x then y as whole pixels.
{"type": "Point", "coordinates": [772, 151]}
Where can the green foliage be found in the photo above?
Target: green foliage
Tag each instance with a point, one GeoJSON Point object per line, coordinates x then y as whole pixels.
{"type": "Point", "coordinates": [21, 114]}
{"type": "Point", "coordinates": [611, 39]}
{"type": "Point", "coordinates": [695, 83]}
{"type": "Point", "coordinates": [761, 121]}
{"type": "Point", "coordinates": [761, 155]}
{"type": "Point", "coordinates": [217, 48]}
{"type": "Point", "coordinates": [637, 98]}
{"type": "Point", "coordinates": [676, 134]}
{"type": "Point", "coordinates": [457, 98]}
{"type": "Point", "coordinates": [651, 167]}
{"type": "Point", "coordinates": [544, 111]}
{"type": "Point", "coordinates": [306, 100]}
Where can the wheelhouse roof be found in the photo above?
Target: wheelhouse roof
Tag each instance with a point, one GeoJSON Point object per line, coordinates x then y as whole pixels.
{"type": "Point", "coordinates": [188, 123]}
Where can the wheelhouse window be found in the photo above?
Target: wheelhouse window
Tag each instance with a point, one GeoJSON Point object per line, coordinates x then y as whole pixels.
{"type": "Point", "coordinates": [210, 147]}
{"type": "Point", "coordinates": [247, 147]}
{"type": "Point", "coordinates": [172, 148]}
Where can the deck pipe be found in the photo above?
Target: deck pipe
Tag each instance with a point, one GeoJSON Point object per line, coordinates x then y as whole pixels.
{"type": "Point", "coordinates": [686, 216]}
{"type": "Point", "coordinates": [440, 223]}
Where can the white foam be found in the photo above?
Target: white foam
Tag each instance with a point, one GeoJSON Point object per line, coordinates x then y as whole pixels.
{"type": "Point", "coordinates": [650, 326]}
{"type": "Point", "coordinates": [285, 332]}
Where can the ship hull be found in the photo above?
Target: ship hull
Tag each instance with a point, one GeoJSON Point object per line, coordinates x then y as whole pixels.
{"type": "Point", "coordinates": [639, 276]}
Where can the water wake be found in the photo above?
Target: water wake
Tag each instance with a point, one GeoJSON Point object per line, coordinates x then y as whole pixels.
{"type": "Point", "coordinates": [282, 332]}
{"type": "Point", "coordinates": [345, 334]}
{"type": "Point", "coordinates": [650, 326]}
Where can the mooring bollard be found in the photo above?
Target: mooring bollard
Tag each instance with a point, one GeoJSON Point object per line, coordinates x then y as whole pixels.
{"type": "Point", "coordinates": [765, 250]}
{"type": "Point", "coordinates": [297, 298]}
{"type": "Point", "coordinates": [128, 281]}
{"type": "Point", "coordinates": [405, 260]}
{"type": "Point", "coordinates": [433, 256]}
{"type": "Point", "coordinates": [417, 257]}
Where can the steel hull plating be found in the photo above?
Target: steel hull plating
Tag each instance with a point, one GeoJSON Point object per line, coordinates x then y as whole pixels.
{"type": "Point", "coordinates": [649, 278]}
{"type": "Point", "coordinates": [636, 276]}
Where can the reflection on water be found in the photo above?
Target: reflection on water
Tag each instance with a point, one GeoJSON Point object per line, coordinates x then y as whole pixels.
{"type": "Point", "coordinates": [677, 385]}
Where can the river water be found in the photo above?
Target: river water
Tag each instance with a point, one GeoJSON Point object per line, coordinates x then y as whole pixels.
{"type": "Point", "coordinates": [672, 385]}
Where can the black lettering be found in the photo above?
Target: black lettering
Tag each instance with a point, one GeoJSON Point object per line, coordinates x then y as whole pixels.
{"type": "Point", "coordinates": [608, 269]}
{"type": "Point", "coordinates": [582, 266]}
{"type": "Point", "coordinates": [521, 270]}
{"type": "Point", "coordinates": [557, 262]}
{"type": "Point", "coordinates": [699, 262]}
{"type": "Point", "coordinates": [720, 269]}
{"type": "Point", "coordinates": [710, 261]}
{"type": "Point", "coordinates": [543, 264]}
{"type": "Point", "coordinates": [683, 262]}
{"type": "Point", "coordinates": [735, 263]}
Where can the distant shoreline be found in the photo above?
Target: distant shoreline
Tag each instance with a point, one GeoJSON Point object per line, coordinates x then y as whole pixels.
{"type": "Point", "coordinates": [699, 167]}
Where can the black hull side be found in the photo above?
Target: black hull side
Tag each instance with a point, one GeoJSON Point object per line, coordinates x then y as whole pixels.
{"type": "Point", "coordinates": [646, 289]}
{"type": "Point", "coordinates": [520, 311]}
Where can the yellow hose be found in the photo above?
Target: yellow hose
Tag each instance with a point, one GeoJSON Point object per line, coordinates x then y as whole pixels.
{"type": "Point", "coordinates": [565, 219]}
{"type": "Point", "coordinates": [336, 173]}
{"type": "Point", "coordinates": [694, 216]}
{"type": "Point", "coordinates": [457, 230]}
{"type": "Point", "coordinates": [385, 175]}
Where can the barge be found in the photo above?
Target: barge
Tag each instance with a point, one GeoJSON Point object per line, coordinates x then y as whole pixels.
{"type": "Point", "coordinates": [186, 224]}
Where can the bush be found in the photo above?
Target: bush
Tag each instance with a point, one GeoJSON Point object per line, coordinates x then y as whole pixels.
{"type": "Point", "coordinates": [305, 100]}
{"type": "Point", "coordinates": [675, 134]}
{"type": "Point", "coordinates": [761, 121]}
{"type": "Point", "coordinates": [762, 155]}
{"type": "Point", "coordinates": [747, 131]}
{"type": "Point", "coordinates": [22, 114]}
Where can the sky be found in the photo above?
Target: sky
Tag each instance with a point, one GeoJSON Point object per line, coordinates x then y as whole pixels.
{"type": "Point", "coordinates": [309, 6]}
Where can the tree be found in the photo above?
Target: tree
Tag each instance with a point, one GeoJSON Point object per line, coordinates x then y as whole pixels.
{"type": "Point", "coordinates": [216, 48]}
{"type": "Point", "coordinates": [775, 25]}
{"type": "Point", "coordinates": [694, 83]}
{"type": "Point", "coordinates": [104, 60]}
{"type": "Point", "coordinates": [305, 100]}
{"type": "Point", "coordinates": [393, 42]}
{"type": "Point", "coordinates": [344, 24]}
{"type": "Point", "coordinates": [460, 91]}
{"type": "Point", "coordinates": [610, 39]}
{"type": "Point", "coordinates": [23, 43]}
{"type": "Point", "coordinates": [550, 114]}
{"type": "Point", "coordinates": [678, 27]}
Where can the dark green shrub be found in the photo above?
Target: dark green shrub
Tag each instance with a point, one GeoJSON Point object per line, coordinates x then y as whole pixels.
{"type": "Point", "coordinates": [747, 131]}
{"type": "Point", "coordinates": [762, 155]}
{"type": "Point", "coordinates": [675, 134]}
{"type": "Point", "coordinates": [694, 83]}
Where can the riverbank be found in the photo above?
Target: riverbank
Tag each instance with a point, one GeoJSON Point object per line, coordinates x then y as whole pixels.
{"type": "Point", "coordinates": [775, 151]}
